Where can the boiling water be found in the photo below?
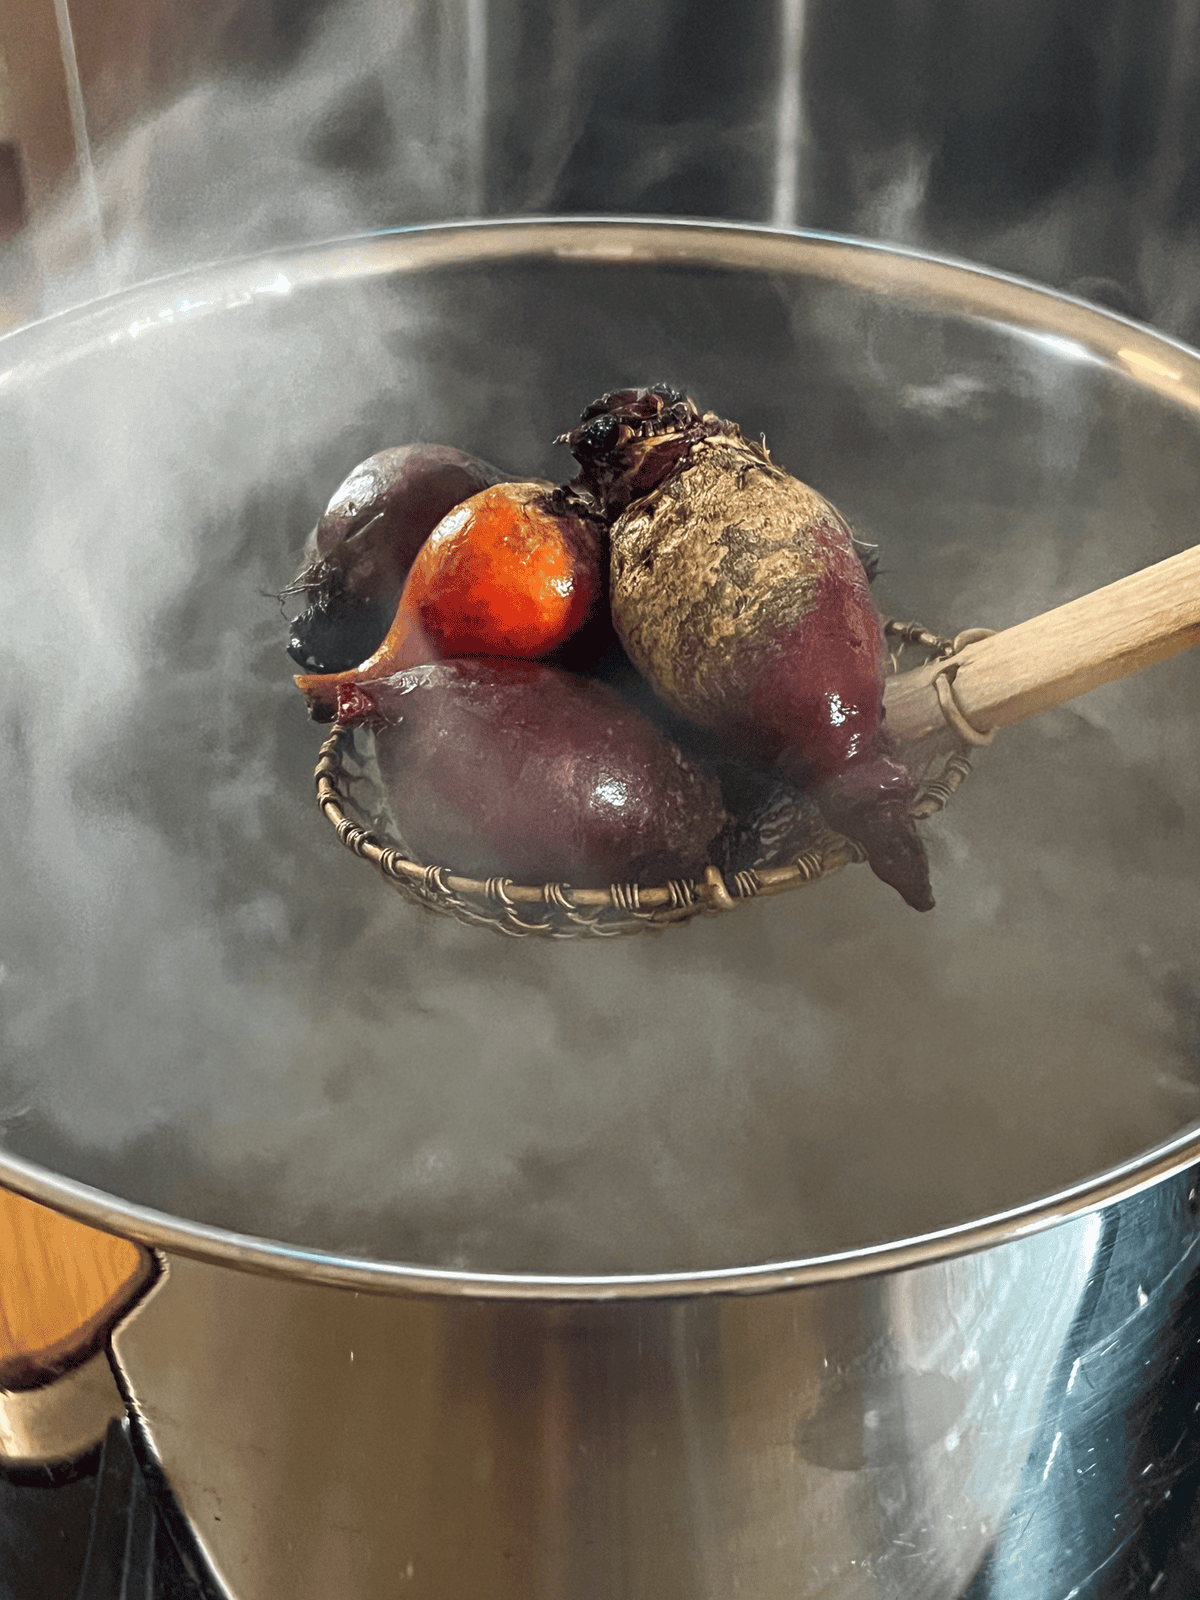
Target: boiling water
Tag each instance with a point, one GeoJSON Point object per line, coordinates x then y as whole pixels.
{"type": "Point", "coordinates": [208, 1006]}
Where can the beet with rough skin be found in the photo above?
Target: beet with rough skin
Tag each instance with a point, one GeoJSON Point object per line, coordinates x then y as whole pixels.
{"type": "Point", "coordinates": [739, 592]}
{"type": "Point", "coordinates": [507, 768]}
{"type": "Point", "coordinates": [361, 550]}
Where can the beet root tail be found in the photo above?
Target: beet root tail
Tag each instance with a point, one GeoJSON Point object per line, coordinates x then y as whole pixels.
{"type": "Point", "coordinates": [871, 803]}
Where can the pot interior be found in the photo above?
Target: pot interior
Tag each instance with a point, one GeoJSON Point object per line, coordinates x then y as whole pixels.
{"type": "Point", "coordinates": [210, 1009]}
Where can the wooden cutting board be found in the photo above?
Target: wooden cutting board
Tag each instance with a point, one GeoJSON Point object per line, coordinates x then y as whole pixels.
{"type": "Point", "coordinates": [62, 1287]}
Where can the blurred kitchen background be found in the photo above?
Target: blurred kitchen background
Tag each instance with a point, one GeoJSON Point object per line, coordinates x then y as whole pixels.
{"type": "Point", "coordinates": [1059, 139]}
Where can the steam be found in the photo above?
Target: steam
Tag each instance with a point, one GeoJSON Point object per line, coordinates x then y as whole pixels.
{"type": "Point", "coordinates": [206, 1005]}
{"type": "Point", "coordinates": [378, 122]}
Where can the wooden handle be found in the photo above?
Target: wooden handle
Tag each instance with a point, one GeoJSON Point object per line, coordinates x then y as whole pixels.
{"type": "Point", "coordinates": [62, 1287]}
{"type": "Point", "coordinates": [1040, 664]}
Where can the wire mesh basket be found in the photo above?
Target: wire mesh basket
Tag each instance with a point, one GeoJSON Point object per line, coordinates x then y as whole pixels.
{"type": "Point", "coordinates": [793, 847]}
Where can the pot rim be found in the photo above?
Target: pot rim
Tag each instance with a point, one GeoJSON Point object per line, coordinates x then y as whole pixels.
{"type": "Point", "coordinates": [277, 1258]}
{"type": "Point", "coordinates": [1083, 331]}
{"type": "Point", "coordinates": [1072, 325]}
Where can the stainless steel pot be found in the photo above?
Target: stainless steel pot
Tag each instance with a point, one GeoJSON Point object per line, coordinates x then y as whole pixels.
{"type": "Point", "coordinates": [905, 1393]}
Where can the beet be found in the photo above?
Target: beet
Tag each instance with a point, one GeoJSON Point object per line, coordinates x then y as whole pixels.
{"type": "Point", "coordinates": [738, 591]}
{"type": "Point", "coordinates": [506, 768]}
{"type": "Point", "coordinates": [515, 570]}
{"type": "Point", "coordinates": [360, 552]}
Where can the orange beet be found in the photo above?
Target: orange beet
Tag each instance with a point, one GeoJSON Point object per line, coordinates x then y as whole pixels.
{"type": "Point", "coordinates": [514, 571]}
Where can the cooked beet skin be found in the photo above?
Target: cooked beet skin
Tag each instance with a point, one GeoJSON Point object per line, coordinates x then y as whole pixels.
{"type": "Point", "coordinates": [359, 554]}
{"type": "Point", "coordinates": [502, 768]}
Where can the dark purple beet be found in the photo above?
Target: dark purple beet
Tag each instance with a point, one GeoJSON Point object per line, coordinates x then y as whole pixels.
{"type": "Point", "coordinates": [358, 555]}
{"type": "Point", "coordinates": [741, 595]}
{"type": "Point", "coordinates": [504, 768]}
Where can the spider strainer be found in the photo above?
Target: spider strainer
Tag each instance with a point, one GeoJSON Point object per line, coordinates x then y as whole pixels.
{"type": "Point", "coordinates": [968, 687]}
